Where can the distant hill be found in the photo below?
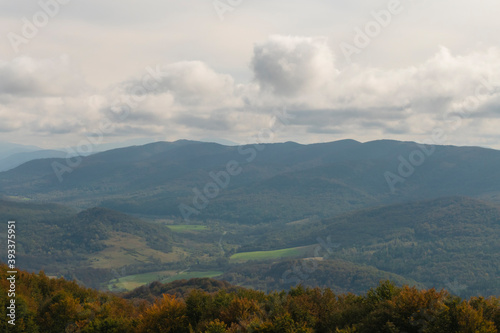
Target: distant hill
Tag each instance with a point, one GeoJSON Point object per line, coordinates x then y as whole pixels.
{"type": "Point", "coordinates": [447, 243]}
{"type": "Point", "coordinates": [17, 159]}
{"type": "Point", "coordinates": [62, 242]}
{"type": "Point", "coordinates": [8, 148]}
{"type": "Point", "coordinates": [338, 275]}
{"type": "Point", "coordinates": [444, 243]}
{"type": "Point", "coordinates": [179, 288]}
{"type": "Point", "coordinates": [278, 182]}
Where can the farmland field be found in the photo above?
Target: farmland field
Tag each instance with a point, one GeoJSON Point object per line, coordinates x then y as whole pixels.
{"type": "Point", "coordinates": [124, 249]}
{"type": "Point", "coordinates": [187, 227]}
{"type": "Point", "coordinates": [131, 282]}
{"type": "Point", "coordinates": [265, 255]}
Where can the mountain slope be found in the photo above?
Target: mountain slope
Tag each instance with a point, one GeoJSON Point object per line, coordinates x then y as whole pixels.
{"type": "Point", "coordinates": [7, 148]}
{"type": "Point", "coordinates": [339, 275]}
{"type": "Point", "coordinates": [436, 242]}
{"type": "Point", "coordinates": [277, 182]}
{"type": "Point", "coordinates": [17, 159]}
{"type": "Point", "coordinates": [60, 241]}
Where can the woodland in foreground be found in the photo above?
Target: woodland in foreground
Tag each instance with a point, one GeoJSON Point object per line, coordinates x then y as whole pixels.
{"type": "Point", "coordinates": [204, 305]}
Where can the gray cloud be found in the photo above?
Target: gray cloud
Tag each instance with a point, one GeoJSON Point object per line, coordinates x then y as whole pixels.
{"type": "Point", "coordinates": [7, 126]}
{"type": "Point", "coordinates": [394, 103]}
{"type": "Point", "coordinates": [27, 76]}
{"type": "Point", "coordinates": [212, 123]}
{"type": "Point", "coordinates": [189, 82]}
{"type": "Point", "coordinates": [189, 98]}
{"type": "Point", "coordinates": [288, 65]}
{"type": "Point", "coordinates": [56, 127]}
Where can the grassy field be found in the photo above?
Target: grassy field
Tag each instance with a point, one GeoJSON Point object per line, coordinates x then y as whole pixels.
{"type": "Point", "coordinates": [17, 198]}
{"type": "Point", "coordinates": [191, 275]}
{"type": "Point", "coordinates": [299, 221]}
{"type": "Point", "coordinates": [266, 255]}
{"type": "Point", "coordinates": [187, 227]}
{"type": "Point", "coordinates": [125, 249]}
{"type": "Point", "coordinates": [131, 282]}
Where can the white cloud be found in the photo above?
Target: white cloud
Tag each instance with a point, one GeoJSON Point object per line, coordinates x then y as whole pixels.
{"type": "Point", "coordinates": [288, 65]}
{"type": "Point", "coordinates": [27, 76]}
{"type": "Point", "coordinates": [194, 83]}
{"type": "Point", "coordinates": [189, 99]}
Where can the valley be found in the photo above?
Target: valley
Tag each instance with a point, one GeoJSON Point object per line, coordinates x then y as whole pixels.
{"type": "Point", "coordinates": [297, 214]}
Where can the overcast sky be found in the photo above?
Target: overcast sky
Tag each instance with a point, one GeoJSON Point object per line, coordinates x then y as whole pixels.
{"type": "Point", "coordinates": [413, 70]}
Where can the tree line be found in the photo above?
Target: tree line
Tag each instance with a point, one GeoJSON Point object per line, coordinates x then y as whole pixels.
{"type": "Point", "coordinates": [56, 305]}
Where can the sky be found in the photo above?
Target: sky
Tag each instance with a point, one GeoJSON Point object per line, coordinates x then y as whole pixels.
{"type": "Point", "coordinates": [89, 72]}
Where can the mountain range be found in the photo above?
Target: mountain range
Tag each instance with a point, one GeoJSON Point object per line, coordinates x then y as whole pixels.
{"type": "Point", "coordinates": [285, 182]}
{"type": "Point", "coordinates": [342, 215]}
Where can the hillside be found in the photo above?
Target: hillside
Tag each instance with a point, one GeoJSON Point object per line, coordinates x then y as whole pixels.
{"type": "Point", "coordinates": [338, 275]}
{"type": "Point", "coordinates": [8, 148]}
{"type": "Point", "coordinates": [441, 242]}
{"type": "Point", "coordinates": [444, 243]}
{"type": "Point", "coordinates": [180, 288]}
{"type": "Point", "coordinates": [17, 159]}
{"type": "Point", "coordinates": [86, 245]}
{"type": "Point", "coordinates": [110, 250]}
{"type": "Point", "coordinates": [278, 182]}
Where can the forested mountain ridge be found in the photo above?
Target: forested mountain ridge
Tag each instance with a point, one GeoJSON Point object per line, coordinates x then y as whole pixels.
{"type": "Point", "coordinates": [285, 182]}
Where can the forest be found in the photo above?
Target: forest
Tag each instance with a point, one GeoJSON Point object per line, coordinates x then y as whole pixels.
{"type": "Point", "coordinates": [48, 305]}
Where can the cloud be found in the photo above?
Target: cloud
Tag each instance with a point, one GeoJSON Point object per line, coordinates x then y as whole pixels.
{"type": "Point", "coordinates": [54, 127]}
{"type": "Point", "coordinates": [299, 73]}
{"type": "Point", "coordinates": [8, 124]}
{"type": "Point", "coordinates": [399, 102]}
{"type": "Point", "coordinates": [42, 97]}
{"type": "Point", "coordinates": [215, 122]}
{"type": "Point", "coordinates": [29, 77]}
{"type": "Point", "coordinates": [189, 99]}
{"type": "Point", "coordinates": [190, 83]}
{"type": "Point", "coordinates": [287, 65]}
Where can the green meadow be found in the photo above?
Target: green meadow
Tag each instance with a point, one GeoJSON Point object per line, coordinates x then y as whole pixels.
{"type": "Point", "coordinates": [187, 227]}
{"type": "Point", "coordinates": [131, 282]}
{"type": "Point", "coordinates": [266, 255]}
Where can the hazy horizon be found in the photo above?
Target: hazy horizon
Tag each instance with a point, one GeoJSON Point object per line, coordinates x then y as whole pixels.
{"type": "Point", "coordinates": [144, 141]}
